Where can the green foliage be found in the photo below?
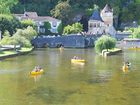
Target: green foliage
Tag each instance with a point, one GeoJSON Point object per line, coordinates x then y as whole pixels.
{"type": "Point", "coordinates": [75, 28]}
{"type": "Point", "coordinates": [135, 33]}
{"type": "Point", "coordinates": [126, 10]}
{"type": "Point", "coordinates": [62, 11]}
{"type": "Point", "coordinates": [20, 40]}
{"type": "Point", "coordinates": [29, 33]}
{"type": "Point", "coordinates": [104, 42]}
{"type": "Point", "coordinates": [6, 40]}
{"type": "Point", "coordinates": [5, 6]}
{"type": "Point", "coordinates": [6, 33]}
{"type": "Point", "coordinates": [21, 37]}
{"type": "Point", "coordinates": [47, 26]}
{"type": "Point", "coordinates": [28, 22]}
{"type": "Point", "coordinates": [60, 29]}
{"type": "Point", "coordinates": [8, 22]}
{"type": "Point", "coordinates": [89, 11]}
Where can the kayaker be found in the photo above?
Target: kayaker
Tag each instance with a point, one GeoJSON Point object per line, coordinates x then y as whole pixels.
{"type": "Point", "coordinates": [37, 68]}
{"type": "Point", "coordinates": [128, 63]}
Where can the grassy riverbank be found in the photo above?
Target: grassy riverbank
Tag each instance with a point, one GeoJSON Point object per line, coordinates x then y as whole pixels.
{"type": "Point", "coordinates": [14, 52]}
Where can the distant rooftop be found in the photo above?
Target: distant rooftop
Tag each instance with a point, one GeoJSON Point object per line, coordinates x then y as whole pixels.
{"type": "Point", "coordinates": [107, 8]}
{"type": "Point", "coordinates": [96, 16]}
{"type": "Point", "coordinates": [35, 17]}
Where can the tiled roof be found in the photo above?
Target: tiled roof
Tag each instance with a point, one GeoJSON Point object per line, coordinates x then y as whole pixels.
{"type": "Point", "coordinates": [31, 14]}
{"type": "Point", "coordinates": [41, 18]}
{"type": "Point", "coordinates": [96, 16]}
{"type": "Point", "coordinates": [35, 17]}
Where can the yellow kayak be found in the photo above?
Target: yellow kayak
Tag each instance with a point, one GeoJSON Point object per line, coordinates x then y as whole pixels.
{"type": "Point", "coordinates": [77, 60]}
{"type": "Point", "coordinates": [125, 68]}
{"type": "Point", "coordinates": [134, 48]}
{"type": "Point", "coordinates": [37, 72]}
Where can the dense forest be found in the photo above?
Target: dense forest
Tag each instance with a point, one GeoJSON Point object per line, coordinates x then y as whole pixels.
{"type": "Point", "coordinates": [125, 10]}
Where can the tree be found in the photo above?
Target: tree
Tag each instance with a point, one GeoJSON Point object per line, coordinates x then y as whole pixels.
{"type": "Point", "coordinates": [104, 42]}
{"type": "Point", "coordinates": [89, 11]}
{"type": "Point", "coordinates": [62, 11]}
{"type": "Point", "coordinates": [47, 26]}
{"type": "Point", "coordinates": [8, 22]}
{"type": "Point", "coordinates": [5, 6]}
{"type": "Point", "coordinates": [135, 33]}
{"type": "Point", "coordinates": [29, 33]}
{"type": "Point", "coordinates": [73, 29]}
{"type": "Point", "coordinates": [60, 29]}
{"type": "Point", "coordinates": [27, 22]}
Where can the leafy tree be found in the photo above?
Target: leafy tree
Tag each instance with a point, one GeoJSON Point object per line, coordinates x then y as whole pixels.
{"type": "Point", "coordinates": [6, 40]}
{"type": "Point", "coordinates": [22, 41]}
{"type": "Point", "coordinates": [62, 11]}
{"type": "Point", "coordinates": [29, 33]}
{"type": "Point", "coordinates": [104, 42]}
{"type": "Point", "coordinates": [67, 30]}
{"type": "Point", "coordinates": [89, 11]}
{"type": "Point", "coordinates": [60, 29]}
{"type": "Point", "coordinates": [47, 26]}
{"type": "Point", "coordinates": [8, 22]}
{"type": "Point", "coordinates": [6, 33]}
{"type": "Point", "coordinates": [135, 33]}
{"type": "Point", "coordinates": [5, 6]}
{"type": "Point", "coordinates": [28, 22]}
{"type": "Point", "coordinates": [75, 28]}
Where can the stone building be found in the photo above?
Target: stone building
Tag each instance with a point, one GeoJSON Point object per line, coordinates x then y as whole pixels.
{"type": "Point", "coordinates": [102, 22]}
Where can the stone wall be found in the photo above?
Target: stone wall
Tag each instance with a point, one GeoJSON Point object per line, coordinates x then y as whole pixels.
{"type": "Point", "coordinates": [69, 41]}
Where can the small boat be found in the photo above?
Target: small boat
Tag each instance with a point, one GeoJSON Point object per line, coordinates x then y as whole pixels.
{"type": "Point", "coordinates": [77, 60]}
{"type": "Point", "coordinates": [134, 48]}
{"type": "Point", "coordinates": [37, 72]}
{"type": "Point", "coordinates": [125, 68]}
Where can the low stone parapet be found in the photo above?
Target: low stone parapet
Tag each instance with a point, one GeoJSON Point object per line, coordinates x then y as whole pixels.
{"type": "Point", "coordinates": [111, 52]}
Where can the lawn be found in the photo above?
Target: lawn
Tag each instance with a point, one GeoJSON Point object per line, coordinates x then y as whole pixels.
{"type": "Point", "coordinates": [12, 52]}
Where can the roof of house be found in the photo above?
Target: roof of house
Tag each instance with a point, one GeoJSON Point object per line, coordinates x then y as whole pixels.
{"type": "Point", "coordinates": [31, 14]}
{"type": "Point", "coordinates": [107, 8]}
{"type": "Point", "coordinates": [41, 18]}
{"type": "Point", "coordinates": [35, 17]}
{"type": "Point", "coordinates": [96, 16]}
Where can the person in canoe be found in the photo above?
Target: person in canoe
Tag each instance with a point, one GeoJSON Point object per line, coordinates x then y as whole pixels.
{"type": "Point", "coordinates": [37, 68]}
{"type": "Point", "coordinates": [75, 57]}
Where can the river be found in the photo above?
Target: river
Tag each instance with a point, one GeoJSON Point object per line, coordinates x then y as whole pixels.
{"type": "Point", "coordinates": [100, 81]}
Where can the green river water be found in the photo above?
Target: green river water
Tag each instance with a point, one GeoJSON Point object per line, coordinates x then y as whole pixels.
{"type": "Point", "coordinates": [100, 81]}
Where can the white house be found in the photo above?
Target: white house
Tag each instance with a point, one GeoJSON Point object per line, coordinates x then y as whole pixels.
{"type": "Point", "coordinates": [39, 21]}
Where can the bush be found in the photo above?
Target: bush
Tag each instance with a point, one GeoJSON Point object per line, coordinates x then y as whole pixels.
{"type": "Point", "coordinates": [104, 42]}
{"type": "Point", "coordinates": [60, 29]}
{"type": "Point", "coordinates": [28, 22]}
{"type": "Point", "coordinates": [74, 29]}
{"type": "Point", "coordinates": [29, 33]}
{"type": "Point", "coordinates": [135, 33]}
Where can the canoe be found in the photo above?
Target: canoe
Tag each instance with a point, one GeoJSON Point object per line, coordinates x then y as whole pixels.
{"type": "Point", "coordinates": [134, 48]}
{"type": "Point", "coordinates": [125, 68]}
{"type": "Point", "coordinates": [37, 72]}
{"type": "Point", "coordinates": [77, 60]}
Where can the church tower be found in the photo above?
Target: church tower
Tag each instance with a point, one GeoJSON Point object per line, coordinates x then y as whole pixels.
{"type": "Point", "coordinates": [107, 15]}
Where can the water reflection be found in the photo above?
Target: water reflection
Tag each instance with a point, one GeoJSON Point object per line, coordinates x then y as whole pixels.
{"type": "Point", "coordinates": [36, 77]}
{"type": "Point", "coordinates": [99, 81]}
